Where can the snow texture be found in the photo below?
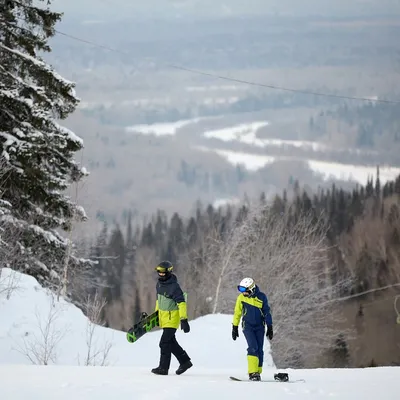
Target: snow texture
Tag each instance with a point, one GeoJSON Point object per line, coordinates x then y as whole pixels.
{"type": "Point", "coordinates": [327, 170]}
{"type": "Point", "coordinates": [18, 322]}
{"type": "Point", "coordinates": [246, 133]}
{"type": "Point", "coordinates": [214, 354]}
{"type": "Point", "coordinates": [162, 128]}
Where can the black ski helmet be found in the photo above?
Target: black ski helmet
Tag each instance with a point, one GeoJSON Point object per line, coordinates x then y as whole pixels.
{"type": "Point", "coordinates": [166, 267]}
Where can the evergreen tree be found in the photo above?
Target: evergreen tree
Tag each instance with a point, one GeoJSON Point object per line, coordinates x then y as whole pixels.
{"type": "Point", "coordinates": [192, 232]}
{"type": "Point", "coordinates": [36, 149]}
{"type": "Point", "coordinates": [176, 232]}
{"type": "Point", "coordinates": [116, 250]}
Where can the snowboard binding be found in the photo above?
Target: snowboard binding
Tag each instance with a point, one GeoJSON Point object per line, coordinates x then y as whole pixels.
{"type": "Point", "coordinates": [281, 377]}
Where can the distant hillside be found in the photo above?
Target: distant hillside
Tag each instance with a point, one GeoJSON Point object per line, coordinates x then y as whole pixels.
{"type": "Point", "coordinates": [171, 166]}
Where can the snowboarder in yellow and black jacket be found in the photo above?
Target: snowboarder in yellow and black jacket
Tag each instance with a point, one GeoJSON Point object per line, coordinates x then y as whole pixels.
{"type": "Point", "coordinates": [171, 306]}
{"type": "Point", "coordinates": [252, 306]}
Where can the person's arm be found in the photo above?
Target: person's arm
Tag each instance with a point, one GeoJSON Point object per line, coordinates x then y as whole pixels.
{"type": "Point", "coordinates": [267, 311]}
{"type": "Point", "coordinates": [268, 318]}
{"type": "Point", "coordinates": [237, 314]}
{"type": "Point", "coordinates": [156, 308]}
{"type": "Point", "coordinates": [179, 298]}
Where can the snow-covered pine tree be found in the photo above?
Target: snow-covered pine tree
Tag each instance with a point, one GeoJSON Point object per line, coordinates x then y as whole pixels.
{"type": "Point", "coordinates": [35, 149]}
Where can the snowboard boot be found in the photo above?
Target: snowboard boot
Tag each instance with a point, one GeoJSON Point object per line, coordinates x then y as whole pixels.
{"type": "Point", "coordinates": [184, 363]}
{"type": "Point", "coordinates": [184, 367]}
{"type": "Point", "coordinates": [164, 364]}
{"type": "Point", "coordinates": [254, 376]}
{"type": "Point", "coordinates": [159, 371]}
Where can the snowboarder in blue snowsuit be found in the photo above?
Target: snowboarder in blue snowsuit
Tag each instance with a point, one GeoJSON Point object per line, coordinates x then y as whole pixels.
{"type": "Point", "coordinates": [252, 306]}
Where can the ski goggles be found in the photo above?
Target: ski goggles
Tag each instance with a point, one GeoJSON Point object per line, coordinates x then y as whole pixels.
{"type": "Point", "coordinates": [163, 270]}
{"type": "Point", "coordinates": [243, 289]}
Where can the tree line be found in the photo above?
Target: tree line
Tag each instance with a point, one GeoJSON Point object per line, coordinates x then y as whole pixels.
{"type": "Point", "coordinates": [369, 126]}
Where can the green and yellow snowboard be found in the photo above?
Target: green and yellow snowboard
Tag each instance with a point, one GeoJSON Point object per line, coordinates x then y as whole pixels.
{"type": "Point", "coordinates": [145, 324]}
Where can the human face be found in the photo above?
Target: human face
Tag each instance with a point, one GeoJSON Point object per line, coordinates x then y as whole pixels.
{"type": "Point", "coordinates": [163, 275]}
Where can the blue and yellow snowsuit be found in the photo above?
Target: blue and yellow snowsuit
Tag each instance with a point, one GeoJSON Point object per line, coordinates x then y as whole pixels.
{"type": "Point", "coordinates": [255, 313]}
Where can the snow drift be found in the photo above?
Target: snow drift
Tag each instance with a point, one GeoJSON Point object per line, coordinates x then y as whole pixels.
{"type": "Point", "coordinates": [26, 308]}
{"type": "Point", "coordinates": [31, 314]}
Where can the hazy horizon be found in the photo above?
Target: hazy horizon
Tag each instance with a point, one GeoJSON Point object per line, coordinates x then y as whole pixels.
{"type": "Point", "coordinates": [210, 8]}
{"type": "Point", "coordinates": [334, 47]}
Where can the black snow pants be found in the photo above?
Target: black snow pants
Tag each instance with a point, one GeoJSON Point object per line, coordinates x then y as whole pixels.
{"type": "Point", "coordinates": [168, 346]}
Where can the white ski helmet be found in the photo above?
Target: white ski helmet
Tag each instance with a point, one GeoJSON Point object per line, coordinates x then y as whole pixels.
{"type": "Point", "coordinates": [247, 285]}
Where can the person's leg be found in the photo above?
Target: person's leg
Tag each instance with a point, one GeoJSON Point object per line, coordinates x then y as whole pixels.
{"type": "Point", "coordinates": [252, 350]}
{"type": "Point", "coordinates": [166, 343]}
{"type": "Point", "coordinates": [181, 356]}
{"type": "Point", "coordinates": [178, 351]}
{"type": "Point", "coordinates": [176, 348]}
{"type": "Point", "coordinates": [260, 336]}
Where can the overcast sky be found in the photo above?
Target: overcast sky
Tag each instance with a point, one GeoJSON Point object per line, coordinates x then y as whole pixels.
{"type": "Point", "coordinates": [189, 8]}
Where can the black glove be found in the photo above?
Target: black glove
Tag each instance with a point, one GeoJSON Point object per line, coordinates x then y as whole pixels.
{"type": "Point", "coordinates": [270, 332]}
{"type": "Point", "coordinates": [185, 325]}
{"type": "Point", "coordinates": [235, 332]}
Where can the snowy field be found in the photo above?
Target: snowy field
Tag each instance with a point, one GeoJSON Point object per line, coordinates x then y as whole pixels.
{"type": "Point", "coordinates": [104, 383]}
{"type": "Point", "coordinates": [246, 133]}
{"type": "Point", "coordinates": [328, 170]}
{"type": "Point", "coordinates": [26, 319]}
{"type": "Point", "coordinates": [161, 128]}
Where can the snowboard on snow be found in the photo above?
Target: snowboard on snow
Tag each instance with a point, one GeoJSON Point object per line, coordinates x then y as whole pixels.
{"type": "Point", "coordinates": [145, 324]}
{"type": "Point", "coordinates": [278, 378]}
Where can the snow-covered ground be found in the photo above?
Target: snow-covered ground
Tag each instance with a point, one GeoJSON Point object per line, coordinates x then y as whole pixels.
{"type": "Point", "coordinates": [161, 128]}
{"type": "Point", "coordinates": [97, 383]}
{"type": "Point", "coordinates": [225, 202]}
{"type": "Point", "coordinates": [251, 162]}
{"type": "Point", "coordinates": [246, 133]}
{"type": "Point", "coordinates": [215, 356]}
{"type": "Point", "coordinates": [328, 170]}
{"type": "Point", "coordinates": [29, 309]}
{"type": "Point", "coordinates": [358, 173]}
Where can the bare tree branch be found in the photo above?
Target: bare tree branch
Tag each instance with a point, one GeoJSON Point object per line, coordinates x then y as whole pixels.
{"type": "Point", "coordinates": [96, 354]}
{"type": "Point", "coordinates": [8, 283]}
{"type": "Point", "coordinates": [62, 290]}
{"type": "Point", "coordinates": [41, 348]}
{"type": "Point", "coordinates": [288, 258]}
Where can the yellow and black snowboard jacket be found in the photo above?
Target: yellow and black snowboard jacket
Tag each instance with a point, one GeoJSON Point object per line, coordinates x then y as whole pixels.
{"type": "Point", "coordinates": [170, 303]}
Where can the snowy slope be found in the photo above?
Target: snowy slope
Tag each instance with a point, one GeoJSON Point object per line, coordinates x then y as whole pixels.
{"type": "Point", "coordinates": [214, 354]}
{"type": "Point", "coordinates": [30, 307]}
